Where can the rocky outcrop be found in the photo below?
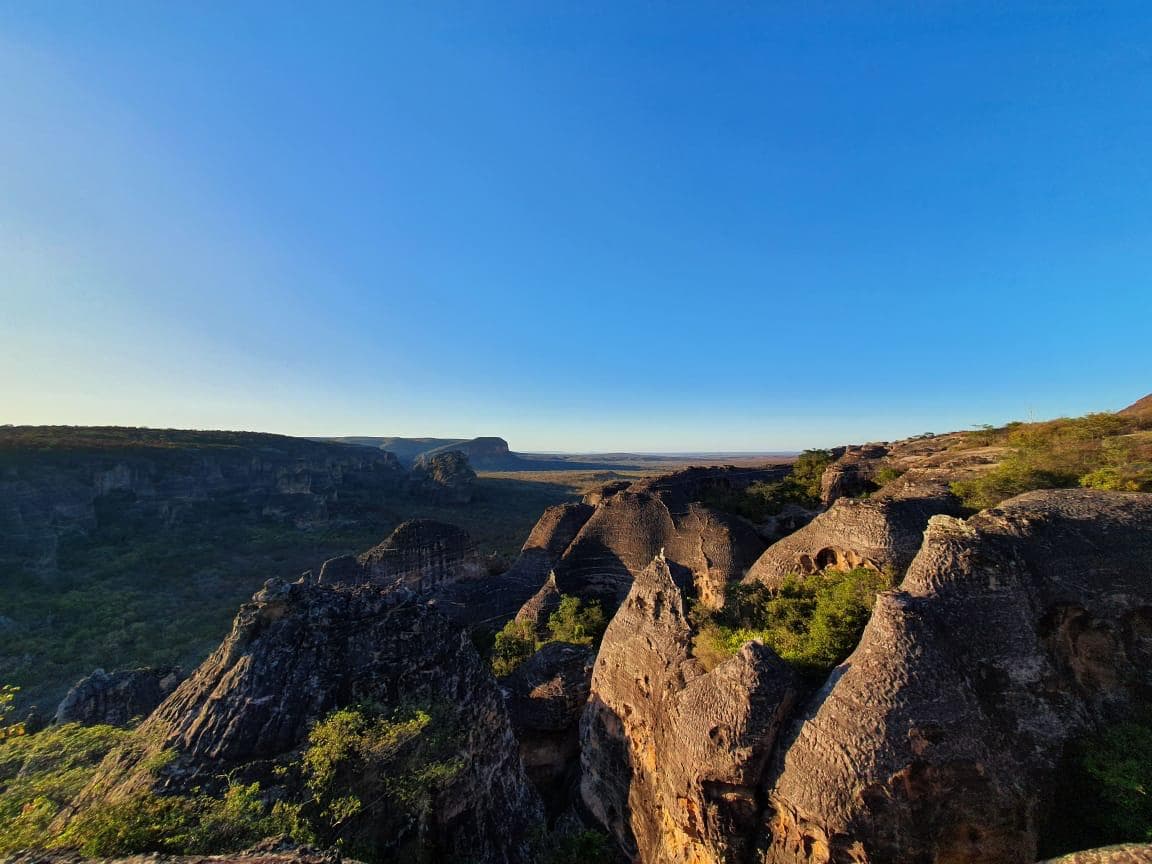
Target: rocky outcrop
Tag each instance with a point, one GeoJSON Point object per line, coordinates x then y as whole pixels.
{"type": "Point", "coordinates": [421, 555]}
{"type": "Point", "coordinates": [882, 531]}
{"type": "Point", "coordinates": [1124, 853]}
{"type": "Point", "coordinates": [540, 607]}
{"type": "Point", "coordinates": [118, 698]}
{"type": "Point", "coordinates": [444, 477]}
{"type": "Point", "coordinates": [297, 652]}
{"type": "Point", "coordinates": [852, 474]}
{"type": "Point", "coordinates": [939, 739]}
{"type": "Point", "coordinates": [628, 527]}
{"type": "Point", "coordinates": [545, 696]}
{"type": "Point", "coordinates": [672, 757]}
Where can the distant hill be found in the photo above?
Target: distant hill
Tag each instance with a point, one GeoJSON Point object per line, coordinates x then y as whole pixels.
{"type": "Point", "coordinates": [491, 453]}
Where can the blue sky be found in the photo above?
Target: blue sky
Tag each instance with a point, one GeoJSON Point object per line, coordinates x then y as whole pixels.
{"type": "Point", "coordinates": [582, 226]}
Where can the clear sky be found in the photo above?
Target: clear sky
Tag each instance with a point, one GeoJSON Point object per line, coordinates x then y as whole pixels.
{"type": "Point", "coordinates": [582, 226]}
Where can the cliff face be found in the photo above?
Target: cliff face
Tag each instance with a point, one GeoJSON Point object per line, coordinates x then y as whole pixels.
{"type": "Point", "coordinates": [297, 652]}
{"type": "Point", "coordinates": [58, 482]}
{"type": "Point", "coordinates": [118, 698]}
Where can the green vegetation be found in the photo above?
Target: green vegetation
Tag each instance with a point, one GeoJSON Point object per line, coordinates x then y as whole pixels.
{"type": "Point", "coordinates": [885, 475]}
{"type": "Point", "coordinates": [8, 729]}
{"type": "Point", "coordinates": [578, 847]}
{"type": "Point", "coordinates": [178, 824]}
{"type": "Point", "coordinates": [574, 621]}
{"type": "Point", "coordinates": [1099, 451]}
{"type": "Point", "coordinates": [761, 500]}
{"type": "Point", "coordinates": [813, 622]}
{"type": "Point", "coordinates": [364, 780]}
{"type": "Point", "coordinates": [41, 773]}
{"type": "Point", "coordinates": [1105, 792]}
{"type": "Point", "coordinates": [131, 595]}
{"type": "Point", "coordinates": [371, 777]}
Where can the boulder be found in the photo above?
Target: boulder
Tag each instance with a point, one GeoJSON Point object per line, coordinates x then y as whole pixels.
{"type": "Point", "coordinates": [118, 698]}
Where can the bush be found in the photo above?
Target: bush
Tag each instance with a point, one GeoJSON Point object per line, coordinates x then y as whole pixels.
{"type": "Point", "coordinates": [813, 622]}
{"type": "Point", "coordinates": [41, 773]}
{"type": "Point", "coordinates": [514, 644]}
{"type": "Point", "coordinates": [761, 500]}
{"type": "Point", "coordinates": [372, 778]}
{"type": "Point", "coordinates": [1097, 451]}
{"type": "Point", "coordinates": [176, 824]}
{"type": "Point", "coordinates": [579, 847]}
{"type": "Point", "coordinates": [575, 621]}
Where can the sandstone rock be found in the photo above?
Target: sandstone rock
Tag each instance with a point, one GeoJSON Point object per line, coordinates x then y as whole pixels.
{"type": "Point", "coordinates": [1139, 407]}
{"type": "Point", "coordinates": [540, 607]}
{"type": "Point", "coordinates": [939, 738]}
{"type": "Point", "coordinates": [671, 756]}
{"type": "Point", "coordinates": [627, 529]}
{"type": "Point", "coordinates": [118, 698]}
{"type": "Point", "coordinates": [444, 477]}
{"type": "Point", "coordinates": [297, 652]}
{"type": "Point", "coordinates": [851, 474]}
{"type": "Point", "coordinates": [545, 696]}
{"type": "Point", "coordinates": [1124, 853]}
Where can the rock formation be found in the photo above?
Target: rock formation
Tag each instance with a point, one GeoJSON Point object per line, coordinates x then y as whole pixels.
{"type": "Point", "coordinates": [672, 757]}
{"type": "Point", "coordinates": [884, 530]}
{"type": "Point", "coordinates": [297, 652]}
{"type": "Point", "coordinates": [852, 473]}
{"type": "Point", "coordinates": [617, 537]}
{"type": "Point", "coordinates": [421, 555]}
{"type": "Point", "coordinates": [118, 698]}
{"type": "Point", "coordinates": [1139, 407]}
{"type": "Point", "coordinates": [940, 737]}
{"type": "Point", "coordinates": [545, 696]}
{"type": "Point", "coordinates": [444, 477]}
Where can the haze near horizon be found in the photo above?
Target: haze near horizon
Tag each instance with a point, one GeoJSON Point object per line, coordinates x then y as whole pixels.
{"type": "Point", "coordinates": [581, 227]}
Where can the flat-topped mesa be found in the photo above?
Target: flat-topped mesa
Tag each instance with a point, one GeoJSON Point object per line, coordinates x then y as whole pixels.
{"type": "Point", "coordinates": [671, 756]}
{"type": "Point", "coordinates": [940, 737]}
{"type": "Point", "coordinates": [299, 651]}
{"type": "Point", "coordinates": [421, 555]}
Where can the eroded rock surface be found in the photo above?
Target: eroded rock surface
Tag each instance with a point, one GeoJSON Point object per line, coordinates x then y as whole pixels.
{"type": "Point", "coordinates": [545, 696]}
{"type": "Point", "coordinates": [117, 698]}
{"type": "Point", "coordinates": [939, 738]}
{"type": "Point", "coordinates": [297, 652]}
{"type": "Point", "coordinates": [671, 756]}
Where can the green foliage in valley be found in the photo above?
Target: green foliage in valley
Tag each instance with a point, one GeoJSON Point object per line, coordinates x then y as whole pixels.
{"type": "Point", "coordinates": [1098, 451]}
{"type": "Point", "coordinates": [813, 621]}
{"type": "Point", "coordinates": [574, 621]}
{"type": "Point", "coordinates": [761, 500]}
{"type": "Point", "coordinates": [576, 847]}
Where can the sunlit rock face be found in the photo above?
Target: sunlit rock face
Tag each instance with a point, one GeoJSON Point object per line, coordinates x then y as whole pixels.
{"type": "Point", "coordinates": [939, 739]}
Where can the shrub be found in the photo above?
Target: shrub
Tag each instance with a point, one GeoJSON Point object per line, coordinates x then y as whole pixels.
{"type": "Point", "coordinates": [813, 622]}
{"type": "Point", "coordinates": [886, 475]}
{"type": "Point", "coordinates": [1096, 451]}
{"type": "Point", "coordinates": [576, 622]}
{"type": "Point", "coordinates": [41, 773]}
{"type": "Point", "coordinates": [1105, 791]}
{"type": "Point", "coordinates": [514, 644]}
{"type": "Point", "coordinates": [372, 778]}
{"type": "Point", "coordinates": [579, 847]}
{"type": "Point", "coordinates": [762, 500]}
